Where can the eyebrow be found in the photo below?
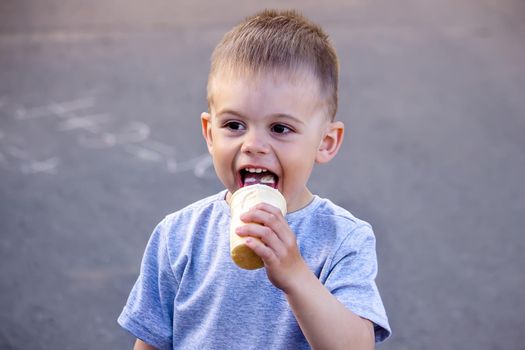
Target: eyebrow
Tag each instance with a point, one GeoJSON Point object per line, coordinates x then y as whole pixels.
{"type": "Point", "coordinates": [276, 115]}
{"type": "Point", "coordinates": [288, 116]}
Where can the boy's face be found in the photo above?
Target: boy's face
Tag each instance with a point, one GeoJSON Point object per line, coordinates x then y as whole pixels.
{"type": "Point", "coordinates": [271, 124]}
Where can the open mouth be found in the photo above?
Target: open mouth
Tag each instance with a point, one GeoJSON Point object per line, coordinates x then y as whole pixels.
{"type": "Point", "coordinates": [252, 176]}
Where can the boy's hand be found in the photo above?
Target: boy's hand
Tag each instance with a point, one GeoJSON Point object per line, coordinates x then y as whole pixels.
{"type": "Point", "coordinates": [325, 322]}
{"type": "Point", "coordinates": [283, 262]}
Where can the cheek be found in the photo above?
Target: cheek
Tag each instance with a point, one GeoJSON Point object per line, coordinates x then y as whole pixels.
{"type": "Point", "coordinates": [224, 157]}
{"type": "Point", "coordinates": [298, 169]}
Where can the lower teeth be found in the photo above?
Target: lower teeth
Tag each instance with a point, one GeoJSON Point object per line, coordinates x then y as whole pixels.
{"type": "Point", "coordinates": [252, 179]}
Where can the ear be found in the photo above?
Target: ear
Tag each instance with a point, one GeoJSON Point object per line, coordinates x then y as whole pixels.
{"type": "Point", "coordinates": [330, 142]}
{"type": "Point", "coordinates": [206, 130]}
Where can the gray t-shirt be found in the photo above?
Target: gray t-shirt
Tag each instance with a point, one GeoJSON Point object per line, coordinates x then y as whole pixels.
{"type": "Point", "coordinates": [190, 294]}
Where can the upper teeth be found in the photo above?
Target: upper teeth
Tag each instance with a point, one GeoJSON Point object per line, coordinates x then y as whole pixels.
{"type": "Point", "coordinates": [255, 170]}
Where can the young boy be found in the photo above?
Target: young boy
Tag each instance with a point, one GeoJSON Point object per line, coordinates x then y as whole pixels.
{"type": "Point", "coordinates": [272, 94]}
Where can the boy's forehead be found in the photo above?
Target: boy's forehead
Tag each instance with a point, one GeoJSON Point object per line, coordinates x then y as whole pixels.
{"type": "Point", "coordinates": [301, 92]}
{"type": "Point", "coordinates": [302, 78]}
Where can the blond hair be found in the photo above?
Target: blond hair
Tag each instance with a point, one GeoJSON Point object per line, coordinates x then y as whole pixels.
{"type": "Point", "coordinates": [279, 40]}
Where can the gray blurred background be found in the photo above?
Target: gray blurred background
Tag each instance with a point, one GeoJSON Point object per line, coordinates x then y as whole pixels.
{"type": "Point", "coordinates": [100, 138]}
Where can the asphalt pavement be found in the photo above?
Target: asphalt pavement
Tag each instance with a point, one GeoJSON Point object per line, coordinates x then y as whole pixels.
{"type": "Point", "coordinates": [100, 139]}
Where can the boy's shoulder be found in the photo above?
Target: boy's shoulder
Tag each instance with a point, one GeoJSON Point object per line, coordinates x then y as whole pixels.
{"type": "Point", "coordinates": [331, 224]}
{"type": "Point", "coordinates": [193, 219]}
{"type": "Point", "coordinates": [214, 199]}
{"type": "Point", "coordinates": [202, 206]}
{"type": "Point", "coordinates": [324, 209]}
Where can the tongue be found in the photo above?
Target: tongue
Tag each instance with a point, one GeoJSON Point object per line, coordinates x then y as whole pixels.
{"type": "Point", "coordinates": [259, 178]}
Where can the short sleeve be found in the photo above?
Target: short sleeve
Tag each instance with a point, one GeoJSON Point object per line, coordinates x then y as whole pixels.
{"type": "Point", "coordinates": [148, 313]}
{"type": "Point", "coordinates": [352, 279]}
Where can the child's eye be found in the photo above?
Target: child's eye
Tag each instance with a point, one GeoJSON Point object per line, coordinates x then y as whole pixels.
{"type": "Point", "coordinates": [235, 126]}
{"type": "Point", "coordinates": [281, 129]}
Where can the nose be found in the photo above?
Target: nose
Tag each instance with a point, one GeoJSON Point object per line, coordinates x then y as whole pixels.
{"type": "Point", "coordinates": [255, 142]}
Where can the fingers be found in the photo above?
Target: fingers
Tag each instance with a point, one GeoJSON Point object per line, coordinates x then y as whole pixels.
{"type": "Point", "coordinates": [266, 253]}
{"type": "Point", "coordinates": [262, 213]}
{"type": "Point", "coordinates": [269, 236]}
{"type": "Point", "coordinates": [271, 217]}
{"type": "Point", "coordinates": [264, 233]}
{"type": "Point", "coordinates": [267, 223]}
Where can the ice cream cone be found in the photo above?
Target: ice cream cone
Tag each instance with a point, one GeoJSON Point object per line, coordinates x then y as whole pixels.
{"type": "Point", "coordinates": [241, 201]}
